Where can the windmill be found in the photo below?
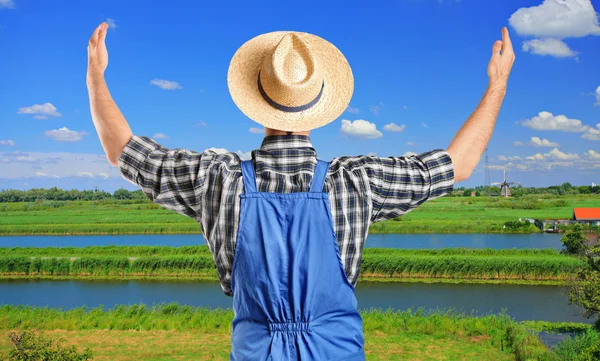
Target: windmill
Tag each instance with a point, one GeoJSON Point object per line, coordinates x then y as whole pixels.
{"type": "Point", "coordinates": [505, 186]}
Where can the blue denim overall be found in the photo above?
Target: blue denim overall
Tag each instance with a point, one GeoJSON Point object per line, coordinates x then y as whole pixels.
{"type": "Point", "coordinates": [291, 297]}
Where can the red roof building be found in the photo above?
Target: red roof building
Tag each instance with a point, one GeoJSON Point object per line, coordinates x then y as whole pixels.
{"type": "Point", "coordinates": [586, 214]}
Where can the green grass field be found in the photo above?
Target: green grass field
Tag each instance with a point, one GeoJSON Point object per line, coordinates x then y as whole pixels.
{"type": "Point", "coordinates": [175, 332]}
{"type": "Point", "coordinates": [443, 215]}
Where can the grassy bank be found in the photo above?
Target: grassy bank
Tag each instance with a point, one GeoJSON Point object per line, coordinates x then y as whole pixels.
{"type": "Point", "coordinates": [195, 262]}
{"type": "Point", "coordinates": [185, 332]}
{"type": "Point", "coordinates": [443, 215]}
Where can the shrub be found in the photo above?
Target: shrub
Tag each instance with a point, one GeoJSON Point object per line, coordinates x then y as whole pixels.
{"type": "Point", "coordinates": [33, 345]}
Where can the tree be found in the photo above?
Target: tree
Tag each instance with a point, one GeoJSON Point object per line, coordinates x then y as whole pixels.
{"type": "Point", "coordinates": [122, 193]}
{"type": "Point", "coordinates": [585, 291]}
{"type": "Point", "coordinates": [574, 241]}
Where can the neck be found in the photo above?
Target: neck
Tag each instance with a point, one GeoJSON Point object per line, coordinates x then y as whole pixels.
{"type": "Point", "coordinates": [269, 131]}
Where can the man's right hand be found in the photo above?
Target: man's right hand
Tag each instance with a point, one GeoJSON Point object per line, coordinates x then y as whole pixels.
{"type": "Point", "coordinates": [501, 63]}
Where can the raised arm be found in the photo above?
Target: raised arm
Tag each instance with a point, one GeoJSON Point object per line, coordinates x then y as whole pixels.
{"type": "Point", "coordinates": [470, 142]}
{"type": "Point", "coordinates": [112, 128]}
{"type": "Point", "coordinates": [171, 178]}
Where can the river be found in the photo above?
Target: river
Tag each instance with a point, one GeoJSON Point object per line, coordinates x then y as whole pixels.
{"type": "Point", "coordinates": [548, 303]}
{"type": "Point", "coordinates": [497, 241]}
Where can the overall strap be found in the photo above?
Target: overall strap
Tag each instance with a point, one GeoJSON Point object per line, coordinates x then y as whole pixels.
{"type": "Point", "coordinates": [318, 179]}
{"type": "Point", "coordinates": [249, 176]}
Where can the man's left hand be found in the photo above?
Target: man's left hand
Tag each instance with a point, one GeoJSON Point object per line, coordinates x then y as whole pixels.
{"type": "Point", "coordinates": [97, 53]}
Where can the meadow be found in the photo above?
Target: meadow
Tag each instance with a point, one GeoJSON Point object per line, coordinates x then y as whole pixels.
{"type": "Point", "coordinates": [528, 266]}
{"type": "Point", "coordinates": [442, 215]}
{"type": "Point", "coordinates": [173, 331]}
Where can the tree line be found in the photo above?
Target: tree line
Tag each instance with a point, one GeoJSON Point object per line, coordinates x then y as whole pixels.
{"type": "Point", "coordinates": [563, 189]}
{"type": "Point", "coordinates": [57, 194]}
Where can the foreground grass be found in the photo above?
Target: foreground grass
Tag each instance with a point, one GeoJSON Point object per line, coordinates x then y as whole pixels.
{"type": "Point", "coordinates": [443, 215]}
{"type": "Point", "coordinates": [109, 345]}
{"type": "Point", "coordinates": [172, 331]}
{"type": "Point", "coordinates": [195, 262]}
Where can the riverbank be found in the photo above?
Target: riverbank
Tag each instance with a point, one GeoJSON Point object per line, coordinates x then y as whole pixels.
{"type": "Point", "coordinates": [446, 265]}
{"type": "Point", "coordinates": [177, 331]}
{"type": "Point", "coordinates": [442, 215]}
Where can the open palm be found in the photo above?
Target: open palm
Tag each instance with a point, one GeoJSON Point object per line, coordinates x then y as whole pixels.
{"type": "Point", "coordinates": [502, 59]}
{"type": "Point", "coordinates": [97, 52]}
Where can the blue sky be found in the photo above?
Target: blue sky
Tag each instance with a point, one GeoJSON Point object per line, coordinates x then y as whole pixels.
{"type": "Point", "coordinates": [419, 64]}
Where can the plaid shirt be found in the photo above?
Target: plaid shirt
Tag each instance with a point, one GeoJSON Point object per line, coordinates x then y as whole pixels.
{"type": "Point", "coordinates": [206, 186]}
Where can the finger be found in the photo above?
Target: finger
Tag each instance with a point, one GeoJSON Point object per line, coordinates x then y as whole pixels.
{"type": "Point", "coordinates": [506, 41]}
{"type": "Point", "coordinates": [103, 31]}
{"type": "Point", "coordinates": [94, 37]}
{"type": "Point", "coordinates": [496, 48]}
{"type": "Point", "coordinates": [98, 32]}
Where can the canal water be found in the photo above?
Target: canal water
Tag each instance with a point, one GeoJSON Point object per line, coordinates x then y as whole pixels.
{"type": "Point", "coordinates": [522, 302]}
{"type": "Point", "coordinates": [430, 241]}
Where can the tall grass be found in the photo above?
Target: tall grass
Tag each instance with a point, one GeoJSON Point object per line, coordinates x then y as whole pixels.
{"type": "Point", "coordinates": [113, 250]}
{"type": "Point", "coordinates": [196, 261]}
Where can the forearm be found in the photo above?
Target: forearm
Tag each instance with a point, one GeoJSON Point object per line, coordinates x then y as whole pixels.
{"type": "Point", "coordinates": [111, 125]}
{"type": "Point", "coordinates": [470, 142]}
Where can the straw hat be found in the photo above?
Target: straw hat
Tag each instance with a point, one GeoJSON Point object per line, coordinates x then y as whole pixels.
{"type": "Point", "coordinates": [290, 81]}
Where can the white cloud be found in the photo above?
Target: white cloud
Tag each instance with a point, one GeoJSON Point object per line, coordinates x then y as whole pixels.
{"type": "Point", "coordinates": [166, 84]}
{"type": "Point", "coordinates": [592, 154]}
{"type": "Point", "coordinates": [592, 133]}
{"type": "Point", "coordinates": [424, 125]}
{"type": "Point", "coordinates": [7, 4]}
{"type": "Point", "coordinates": [9, 142]}
{"type": "Point", "coordinates": [103, 175]}
{"type": "Point", "coordinates": [200, 123]}
{"type": "Point", "coordinates": [375, 109]}
{"type": "Point", "coordinates": [554, 154]}
{"type": "Point", "coordinates": [410, 143]}
{"type": "Point", "coordinates": [597, 103]}
{"type": "Point", "coordinates": [548, 46]}
{"type": "Point", "coordinates": [360, 129]}
{"type": "Point", "coordinates": [256, 130]}
{"type": "Point", "coordinates": [111, 23]}
{"type": "Point", "coordinates": [393, 127]}
{"type": "Point", "coordinates": [64, 134]}
{"type": "Point", "coordinates": [547, 121]}
{"type": "Point", "coordinates": [219, 150]}
{"type": "Point", "coordinates": [518, 143]}
{"type": "Point", "coordinates": [43, 111]}
{"type": "Point", "coordinates": [504, 158]}
{"type": "Point", "coordinates": [20, 165]}
{"type": "Point", "coordinates": [160, 136]}
{"type": "Point", "coordinates": [537, 142]}
{"type": "Point", "coordinates": [557, 19]}
{"type": "Point", "coordinates": [244, 155]}
{"type": "Point", "coordinates": [409, 153]}
{"type": "Point", "coordinates": [349, 109]}
{"type": "Point", "coordinates": [85, 174]}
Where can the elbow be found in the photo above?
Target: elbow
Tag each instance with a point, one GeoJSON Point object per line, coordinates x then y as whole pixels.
{"type": "Point", "coordinates": [114, 161]}
{"type": "Point", "coordinates": [461, 175]}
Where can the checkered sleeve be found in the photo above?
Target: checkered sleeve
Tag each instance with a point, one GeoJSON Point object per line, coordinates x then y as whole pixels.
{"type": "Point", "coordinates": [400, 184]}
{"type": "Point", "coordinates": [171, 178]}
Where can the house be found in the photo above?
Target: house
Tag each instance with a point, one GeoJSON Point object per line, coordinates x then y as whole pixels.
{"type": "Point", "coordinates": [587, 215]}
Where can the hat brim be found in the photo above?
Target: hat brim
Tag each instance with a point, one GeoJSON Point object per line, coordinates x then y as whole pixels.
{"type": "Point", "coordinates": [242, 83]}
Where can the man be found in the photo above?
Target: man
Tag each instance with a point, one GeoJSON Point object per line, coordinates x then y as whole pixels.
{"type": "Point", "coordinates": [286, 229]}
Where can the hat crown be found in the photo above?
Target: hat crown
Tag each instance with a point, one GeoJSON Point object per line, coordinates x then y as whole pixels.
{"type": "Point", "coordinates": [291, 75]}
